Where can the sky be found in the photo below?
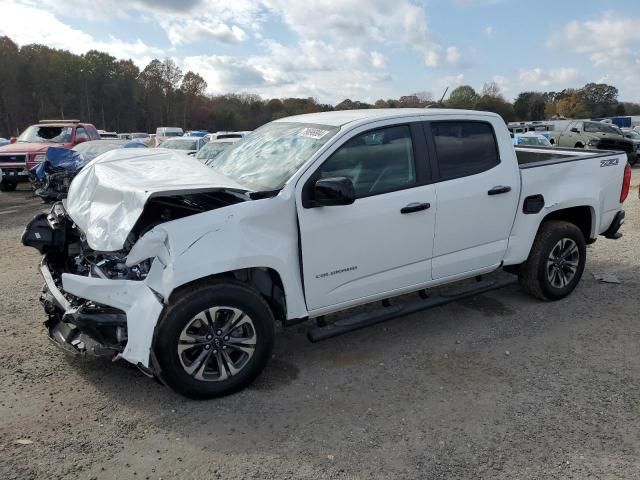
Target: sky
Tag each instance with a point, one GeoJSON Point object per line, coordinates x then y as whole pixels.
{"type": "Point", "coordinates": [358, 49]}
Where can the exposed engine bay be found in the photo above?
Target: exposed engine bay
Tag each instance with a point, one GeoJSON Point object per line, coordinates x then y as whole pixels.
{"type": "Point", "coordinates": [84, 326]}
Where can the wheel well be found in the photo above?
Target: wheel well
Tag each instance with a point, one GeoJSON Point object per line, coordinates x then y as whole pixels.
{"type": "Point", "coordinates": [579, 145]}
{"type": "Point", "coordinates": [266, 281]}
{"type": "Point", "coordinates": [579, 216]}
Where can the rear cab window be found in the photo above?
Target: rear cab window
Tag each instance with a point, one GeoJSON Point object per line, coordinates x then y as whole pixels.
{"type": "Point", "coordinates": [464, 148]}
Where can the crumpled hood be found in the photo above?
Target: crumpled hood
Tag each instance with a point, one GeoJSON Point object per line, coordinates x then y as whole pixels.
{"type": "Point", "coordinates": [108, 196]}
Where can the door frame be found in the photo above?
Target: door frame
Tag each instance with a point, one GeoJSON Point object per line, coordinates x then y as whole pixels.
{"type": "Point", "coordinates": [304, 182]}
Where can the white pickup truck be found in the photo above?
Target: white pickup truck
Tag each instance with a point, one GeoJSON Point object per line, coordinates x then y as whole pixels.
{"type": "Point", "coordinates": [183, 269]}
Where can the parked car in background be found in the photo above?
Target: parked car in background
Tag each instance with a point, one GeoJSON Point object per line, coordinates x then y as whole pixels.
{"type": "Point", "coordinates": [211, 150]}
{"type": "Point", "coordinates": [105, 134]}
{"type": "Point", "coordinates": [535, 126]}
{"type": "Point", "coordinates": [220, 135]}
{"type": "Point", "coordinates": [90, 150]}
{"type": "Point", "coordinates": [51, 178]}
{"type": "Point", "coordinates": [29, 149]}
{"type": "Point", "coordinates": [162, 133]}
{"type": "Point", "coordinates": [190, 145]}
{"type": "Point", "coordinates": [531, 139]}
{"type": "Point", "coordinates": [139, 135]}
{"type": "Point", "coordinates": [634, 136]}
{"type": "Point", "coordinates": [169, 132]}
{"type": "Point", "coordinates": [183, 269]}
{"type": "Point", "coordinates": [594, 135]}
{"type": "Point", "coordinates": [196, 133]}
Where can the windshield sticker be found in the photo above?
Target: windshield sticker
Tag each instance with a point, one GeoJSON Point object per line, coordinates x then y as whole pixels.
{"type": "Point", "coordinates": [314, 133]}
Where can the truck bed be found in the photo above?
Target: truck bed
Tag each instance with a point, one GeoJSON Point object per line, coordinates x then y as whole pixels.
{"type": "Point", "coordinates": [531, 157]}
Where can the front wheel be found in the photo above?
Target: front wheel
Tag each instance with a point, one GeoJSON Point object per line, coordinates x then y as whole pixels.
{"type": "Point", "coordinates": [556, 261]}
{"type": "Point", "coordinates": [215, 339]}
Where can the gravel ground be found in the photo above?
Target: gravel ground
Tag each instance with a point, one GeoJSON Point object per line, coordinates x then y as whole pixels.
{"type": "Point", "coordinates": [497, 386]}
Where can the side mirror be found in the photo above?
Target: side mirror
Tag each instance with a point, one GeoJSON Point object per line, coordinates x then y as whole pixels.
{"type": "Point", "coordinates": [575, 130]}
{"type": "Point", "coordinates": [333, 191]}
{"type": "Point", "coordinates": [80, 140]}
{"type": "Point", "coordinates": [12, 140]}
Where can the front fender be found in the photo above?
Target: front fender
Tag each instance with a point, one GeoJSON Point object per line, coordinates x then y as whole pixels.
{"type": "Point", "coordinates": [258, 233]}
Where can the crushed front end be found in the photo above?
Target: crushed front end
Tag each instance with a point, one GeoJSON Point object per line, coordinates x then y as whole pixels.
{"type": "Point", "coordinates": [80, 324]}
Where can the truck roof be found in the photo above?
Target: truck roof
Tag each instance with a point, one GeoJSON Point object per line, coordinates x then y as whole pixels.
{"type": "Point", "coordinates": [342, 117]}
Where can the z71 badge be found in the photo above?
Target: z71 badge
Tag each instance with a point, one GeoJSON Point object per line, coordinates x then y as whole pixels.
{"type": "Point", "coordinates": [609, 162]}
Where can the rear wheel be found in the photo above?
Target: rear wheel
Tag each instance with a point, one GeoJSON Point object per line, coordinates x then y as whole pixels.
{"type": "Point", "coordinates": [215, 339]}
{"type": "Point", "coordinates": [556, 261]}
{"type": "Point", "coordinates": [578, 145]}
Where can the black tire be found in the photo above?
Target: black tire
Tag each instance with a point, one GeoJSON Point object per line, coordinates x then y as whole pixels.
{"type": "Point", "coordinates": [7, 186]}
{"type": "Point", "coordinates": [535, 273]}
{"type": "Point", "coordinates": [179, 315]}
{"type": "Point", "coordinates": [578, 145]}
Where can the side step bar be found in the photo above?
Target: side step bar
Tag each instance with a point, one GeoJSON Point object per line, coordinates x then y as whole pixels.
{"type": "Point", "coordinates": [366, 319]}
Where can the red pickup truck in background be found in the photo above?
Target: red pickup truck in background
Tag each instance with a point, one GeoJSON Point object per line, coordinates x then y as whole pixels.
{"type": "Point", "coordinates": [29, 149]}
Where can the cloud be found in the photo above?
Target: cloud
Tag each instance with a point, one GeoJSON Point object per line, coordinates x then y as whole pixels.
{"type": "Point", "coordinates": [432, 58]}
{"type": "Point", "coordinates": [363, 23]}
{"type": "Point", "coordinates": [184, 22]}
{"type": "Point", "coordinates": [45, 28]}
{"type": "Point", "coordinates": [191, 31]}
{"type": "Point", "coordinates": [503, 84]}
{"type": "Point", "coordinates": [453, 81]}
{"type": "Point", "coordinates": [537, 77]}
{"type": "Point", "coordinates": [610, 43]}
{"type": "Point", "coordinates": [488, 30]}
{"type": "Point", "coordinates": [453, 55]}
{"type": "Point", "coordinates": [171, 5]}
{"type": "Point", "coordinates": [475, 3]}
{"type": "Point", "coordinates": [378, 59]}
{"type": "Point", "coordinates": [224, 73]}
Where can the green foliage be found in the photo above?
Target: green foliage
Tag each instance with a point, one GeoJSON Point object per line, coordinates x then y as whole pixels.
{"type": "Point", "coordinates": [40, 82]}
{"type": "Point", "coordinates": [463, 97]}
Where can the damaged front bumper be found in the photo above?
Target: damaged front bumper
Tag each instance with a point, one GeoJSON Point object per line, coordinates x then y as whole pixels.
{"type": "Point", "coordinates": [107, 317]}
{"type": "Point", "coordinates": [87, 313]}
{"type": "Point", "coordinates": [84, 328]}
{"type": "Point", "coordinates": [99, 321]}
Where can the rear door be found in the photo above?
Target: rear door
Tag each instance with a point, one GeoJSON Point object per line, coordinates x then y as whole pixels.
{"type": "Point", "coordinates": [383, 241]}
{"type": "Point", "coordinates": [477, 194]}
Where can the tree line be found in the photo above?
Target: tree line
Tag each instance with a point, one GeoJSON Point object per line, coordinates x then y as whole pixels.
{"type": "Point", "coordinates": [38, 82]}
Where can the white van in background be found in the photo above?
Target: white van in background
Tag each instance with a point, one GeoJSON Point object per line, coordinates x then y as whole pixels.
{"type": "Point", "coordinates": [169, 132]}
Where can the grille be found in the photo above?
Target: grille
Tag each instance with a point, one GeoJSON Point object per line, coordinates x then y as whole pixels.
{"type": "Point", "coordinates": [13, 158]}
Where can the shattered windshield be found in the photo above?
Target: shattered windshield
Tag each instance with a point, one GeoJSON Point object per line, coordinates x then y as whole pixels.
{"type": "Point", "coordinates": [211, 150]}
{"type": "Point", "coordinates": [266, 158]}
{"type": "Point", "coordinates": [46, 134]}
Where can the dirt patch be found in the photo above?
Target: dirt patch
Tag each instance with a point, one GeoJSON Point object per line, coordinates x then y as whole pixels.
{"type": "Point", "coordinates": [499, 386]}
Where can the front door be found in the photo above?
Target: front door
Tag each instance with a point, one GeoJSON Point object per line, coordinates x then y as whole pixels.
{"type": "Point", "coordinates": [376, 244]}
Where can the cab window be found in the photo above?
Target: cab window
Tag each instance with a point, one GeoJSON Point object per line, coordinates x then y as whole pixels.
{"type": "Point", "coordinates": [377, 161]}
{"type": "Point", "coordinates": [81, 133]}
{"type": "Point", "coordinates": [464, 148]}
